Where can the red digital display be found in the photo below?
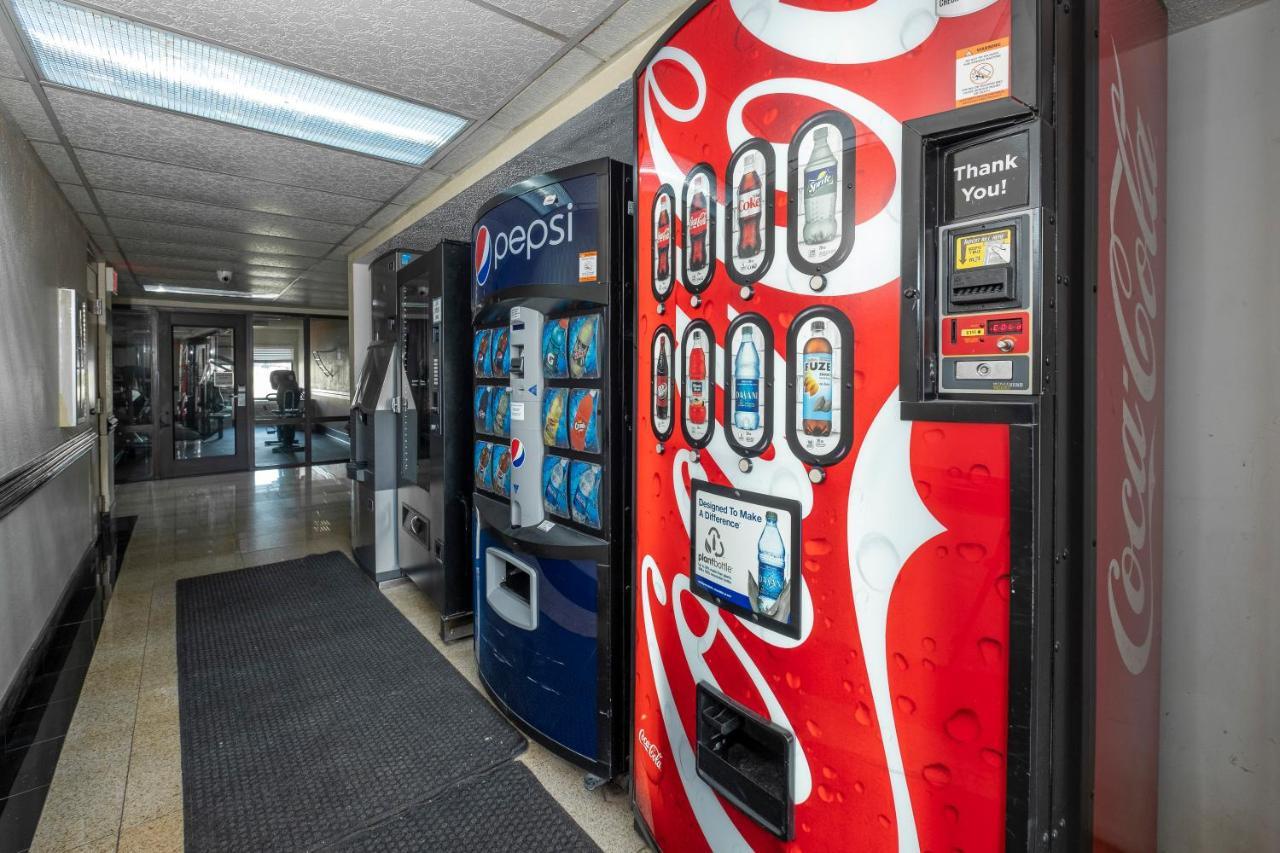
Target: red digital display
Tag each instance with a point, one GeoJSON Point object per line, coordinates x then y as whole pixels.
{"type": "Point", "coordinates": [1006, 326]}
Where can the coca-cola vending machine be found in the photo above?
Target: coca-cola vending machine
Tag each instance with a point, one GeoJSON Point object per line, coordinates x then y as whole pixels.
{"type": "Point", "coordinates": [898, 427]}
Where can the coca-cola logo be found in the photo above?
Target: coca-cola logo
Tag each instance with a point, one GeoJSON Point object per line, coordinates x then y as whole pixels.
{"type": "Point", "coordinates": [1132, 256]}
{"type": "Point", "coordinates": [664, 236]}
{"type": "Point", "coordinates": [698, 220]}
{"type": "Point", "coordinates": [749, 204]}
{"type": "Point", "coordinates": [650, 749]}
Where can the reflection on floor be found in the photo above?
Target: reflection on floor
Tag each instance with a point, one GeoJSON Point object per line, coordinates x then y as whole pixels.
{"type": "Point", "coordinates": [223, 444]}
{"type": "Point", "coordinates": [328, 446]}
{"type": "Point", "coordinates": [118, 785]}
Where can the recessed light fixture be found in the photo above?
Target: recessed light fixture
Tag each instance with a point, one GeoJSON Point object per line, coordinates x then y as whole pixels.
{"type": "Point", "coordinates": [86, 49]}
{"type": "Point", "coordinates": [179, 290]}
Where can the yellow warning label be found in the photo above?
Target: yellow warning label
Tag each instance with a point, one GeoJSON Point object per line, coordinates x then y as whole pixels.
{"type": "Point", "coordinates": [975, 332]}
{"type": "Point", "coordinates": [987, 249]}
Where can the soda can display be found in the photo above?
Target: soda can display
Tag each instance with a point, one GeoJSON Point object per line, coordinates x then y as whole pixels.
{"type": "Point", "coordinates": [584, 420]}
{"type": "Point", "coordinates": [484, 465]}
{"type": "Point", "coordinates": [500, 412]}
{"type": "Point", "coordinates": [483, 408]}
{"type": "Point", "coordinates": [555, 349]}
{"type": "Point", "coordinates": [555, 418]}
{"type": "Point", "coordinates": [555, 485]}
{"type": "Point", "coordinates": [500, 353]}
{"type": "Point", "coordinates": [480, 352]}
{"type": "Point", "coordinates": [501, 464]}
{"type": "Point", "coordinates": [584, 489]}
{"type": "Point", "coordinates": [584, 349]}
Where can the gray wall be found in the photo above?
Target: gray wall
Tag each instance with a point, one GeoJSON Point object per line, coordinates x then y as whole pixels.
{"type": "Point", "coordinates": [1220, 736]}
{"type": "Point", "coordinates": [42, 248]}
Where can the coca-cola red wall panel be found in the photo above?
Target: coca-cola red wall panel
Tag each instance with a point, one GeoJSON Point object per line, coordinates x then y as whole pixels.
{"type": "Point", "coordinates": [896, 689]}
{"type": "Point", "coordinates": [1130, 422]}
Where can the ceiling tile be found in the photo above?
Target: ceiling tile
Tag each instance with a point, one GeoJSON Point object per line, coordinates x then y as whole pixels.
{"type": "Point", "coordinates": [79, 198]}
{"type": "Point", "coordinates": [204, 269]}
{"type": "Point", "coordinates": [112, 171]}
{"type": "Point", "coordinates": [1189, 13]}
{"type": "Point", "coordinates": [105, 125]}
{"type": "Point", "coordinates": [548, 88]}
{"type": "Point", "coordinates": [470, 149]}
{"type": "Point", "coordinates": [632, 20]}
{"type": "Point", "coordinates": [26, 109]}
{"type": "Point", "coordinates": [155, 231]}
{"type": "Point", "coordinates": [94, 224]}
{"type": "Point", "coordinates": [357, 238]}
{"type": "Point", "coordinates": [167, 210]}
{"type": "Point", "coordinates": [567, 17]}
{"type": "Point", "coordinates": [9, 66]}
{"type": "Point", "coordinates": [422, 186]}
{"type": "Point", "coordinates": [57, 161]}
{"type": "Point", "coordinates": [385, 216]}
{"type": "Point", "coordinates": [410, 48]}
{"type": "Point", "coordinates": [223, 253]}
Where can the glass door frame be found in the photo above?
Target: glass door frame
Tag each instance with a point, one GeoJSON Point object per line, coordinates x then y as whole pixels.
{"type": "Point", "coordinates": [166, 465]}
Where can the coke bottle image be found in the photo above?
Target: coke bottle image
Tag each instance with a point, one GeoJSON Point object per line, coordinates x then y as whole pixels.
{"type": "Point", "coordinates": [771, 553]}
{"type": "Point", "coordinates": [663, 240]}
{"type": "Point", "coordinates": [662, 385]}
{"type": "Point", "coordinates": [750, 209]}
{"type": "Point", "coordinates": [699, 220]}
{"type": "Point", "coordinates": [816, 382]}
{"type": "Point", "coordinates": [697, 379]}
{"type": "Point", "coordinates": [820, 179]}
{"type": "Point", "coordinates": [746, 384]}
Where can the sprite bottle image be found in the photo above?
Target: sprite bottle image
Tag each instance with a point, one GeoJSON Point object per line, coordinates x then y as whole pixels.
{"type": "Point", "coordinates": [772, 556]}
{"type": "Point", "coordinates": [820, 176]}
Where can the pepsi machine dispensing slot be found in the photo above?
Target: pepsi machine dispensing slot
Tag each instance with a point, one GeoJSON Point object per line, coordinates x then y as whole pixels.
{"type": "Point", "coordinates": [552, 361]}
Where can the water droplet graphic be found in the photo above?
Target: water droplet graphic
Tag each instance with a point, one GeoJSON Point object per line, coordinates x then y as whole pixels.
{"type": "Point", "coordinates": [1002, 586]}
{"type": "Point", "coordinates": [884, 820]}
{"type": "Point", "coordinates": [993, 757]}
{"type": "Point", "coordinates": [929, 665]}
{"type": "Point", "coordinates": [813, 728]}
{"type": "Point", "coordinates": [933, 436]}
{"type": "Point", "coordinates": [824, 794]}
{"type": "Point", "coordinates": [991, 649]}
{"type": "Point", "coordinates": [937, 775]}
{"type": "Point", "coordinates": [924, 488]}
{"type": "Point", "coordinates": [862, 714]}
{"type": "Point", "coordinates": [952, 813]}
{"type": "Point", "coordinates": [657, 485]}
{"type": "Point", "coordinates": [859, 379]}
{"type": "Point", "coordinates": [954, 472]}
{"type": "Point", "coordinates": [859, 788]}
{"type": "Point", "coordinates": [847, 685]}
{"type": "Point", "coordinates": [963, 726]}
{"type": "Point", "coordinates": [878, 562]}
{"type": "Point", "coordinates": [929, 644]}
{"type": "Point", "coordinates": [906, 705]}
{"type": "Point", "coordinates": [817, 548]}
{"type": "Point", "coordinates": [979, 474]}
{"type": "Point", "coordinates": [793, 681]}
{"type": "Point", "coordinates": [901, 660]}
{"type": "Point", "coordinates": [941, 552]}
{"type": "Point", "coordinates": [811, 566]}
{"type": "Point", "coordinates": [971, 551]}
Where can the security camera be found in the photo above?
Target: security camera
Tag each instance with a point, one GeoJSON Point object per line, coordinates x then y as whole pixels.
{"type": "Point", "coordinates": [224, 276]}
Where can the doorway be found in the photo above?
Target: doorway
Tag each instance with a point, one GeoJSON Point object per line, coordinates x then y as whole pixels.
{"type": "Point", "coordinates": [204, 420]}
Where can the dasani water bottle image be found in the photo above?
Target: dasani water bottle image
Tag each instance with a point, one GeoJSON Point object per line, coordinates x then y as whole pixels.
{"type": "Point", "coordinates": [772, 556]}
{"type": "Point", "coordinates": [746, 384]}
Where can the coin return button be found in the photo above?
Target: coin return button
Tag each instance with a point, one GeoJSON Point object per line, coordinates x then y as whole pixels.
{"type": "Point", "coordinates": [994, 370]}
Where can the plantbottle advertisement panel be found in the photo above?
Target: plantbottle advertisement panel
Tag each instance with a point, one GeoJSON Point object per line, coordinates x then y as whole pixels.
{"type": "Point", "coordinates": [822, 588]}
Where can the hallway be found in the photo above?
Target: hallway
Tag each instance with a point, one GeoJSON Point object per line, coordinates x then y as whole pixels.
{"type": "Point", "coordinates": [118, 784]}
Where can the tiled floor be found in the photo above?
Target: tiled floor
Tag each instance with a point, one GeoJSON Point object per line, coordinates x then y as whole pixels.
{"type": "Point", "coordinates": [118, 785]}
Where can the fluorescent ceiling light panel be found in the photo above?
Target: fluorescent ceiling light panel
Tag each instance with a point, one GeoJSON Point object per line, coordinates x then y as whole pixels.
{"type": "Point", "coordinates": [90, 50]}
{"type": "Point", "coordinates": [178, 290]}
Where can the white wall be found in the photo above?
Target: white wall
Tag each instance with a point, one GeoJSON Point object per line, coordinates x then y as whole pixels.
{"type": "Point", "coordinates": [1220, 697]}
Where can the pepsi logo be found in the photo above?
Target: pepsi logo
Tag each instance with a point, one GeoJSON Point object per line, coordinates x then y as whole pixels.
{"type": "Point", "coordinates": [483, 260]}
{"type": "Point", "coordinates": [517, 452]}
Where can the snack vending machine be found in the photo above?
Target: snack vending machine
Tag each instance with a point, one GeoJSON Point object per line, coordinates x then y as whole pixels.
{"type": "Point", "coordinates": [900, 279]}
{"type": "Point", "coordinates": [551, 301]}
{"type": "Point", "coordinates": [435, 502]}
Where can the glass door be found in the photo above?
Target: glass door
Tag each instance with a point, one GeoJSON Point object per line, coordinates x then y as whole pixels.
{"type": "Point", "coordinates": [204, 423]}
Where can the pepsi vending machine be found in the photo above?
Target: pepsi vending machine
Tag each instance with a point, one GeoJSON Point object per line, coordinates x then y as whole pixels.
{"type": "Point", "coordinates": [900, 280]}
{"type": "Point", "coordinates": [551, 301]}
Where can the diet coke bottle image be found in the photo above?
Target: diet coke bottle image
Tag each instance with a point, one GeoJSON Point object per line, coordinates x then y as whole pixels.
{"type": "Point", "coordinates": [699, 225]}
{"type": "Point", "coordinates": [821, 180]}
{"type": "Point", "coordinates": [750, 210]}
{"type": "Point", "coordinates": [663, 244]}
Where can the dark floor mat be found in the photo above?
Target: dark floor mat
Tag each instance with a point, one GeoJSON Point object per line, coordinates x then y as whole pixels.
{"type": "Point", "coordinates": [311, 708]}
{"type": "Point", "coordinates": [503, 810]}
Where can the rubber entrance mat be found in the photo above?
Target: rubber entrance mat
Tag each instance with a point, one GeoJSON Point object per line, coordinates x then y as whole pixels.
{"type": "Point", "coordinates": [311, 710]}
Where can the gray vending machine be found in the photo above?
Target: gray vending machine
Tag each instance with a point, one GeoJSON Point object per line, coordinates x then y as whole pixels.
{"type": "Point", "coordinates": [380, 414]}
{"type": "Point", "coordinates": [435, 504]}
